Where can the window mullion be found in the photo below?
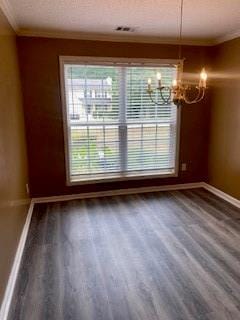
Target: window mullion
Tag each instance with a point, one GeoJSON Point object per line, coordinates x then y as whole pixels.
{"type": "Point", "coordinates": [122, 119]}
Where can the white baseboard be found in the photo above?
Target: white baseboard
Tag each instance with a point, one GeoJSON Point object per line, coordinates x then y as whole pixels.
{"type": "Point", "coordinates": [221, 194]}
{"type": "Point", "coordinates": [118, 192]}
{"type": "Point", "coordinates": [15, 267]}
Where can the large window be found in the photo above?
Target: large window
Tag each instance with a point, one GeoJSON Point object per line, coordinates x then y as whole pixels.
{"type": "Point", "coordinates": [112, 128]}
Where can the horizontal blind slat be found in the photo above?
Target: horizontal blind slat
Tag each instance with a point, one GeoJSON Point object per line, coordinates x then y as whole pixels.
{"type": "Point", "coordinates": [93, 96]}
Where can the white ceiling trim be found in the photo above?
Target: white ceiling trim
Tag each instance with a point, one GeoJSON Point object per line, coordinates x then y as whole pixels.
{"type": "Point", "coordinates": [104, 37]}
{"type": "Point", "coordinates": [227, 37]}
{"type": "Point", "coordinates": [8, 12]}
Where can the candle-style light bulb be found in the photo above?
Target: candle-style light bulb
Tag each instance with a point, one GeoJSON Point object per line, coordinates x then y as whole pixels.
{"type": "Point", "coordinates": [159, 78]}
{"type": "Point", "coordinates": [149, 83]}
{"type": "Point", "coordinates": [109, 81]}
{"type": "Point", "coordinates": [174, 83]}
{"type": "Point", "coordinates": [203, 78]}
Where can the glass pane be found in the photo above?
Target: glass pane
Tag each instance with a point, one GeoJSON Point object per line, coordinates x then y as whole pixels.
{"type": "Point", "coordinates": [92, 93]}
{"type": "Point", "coordinates": [94, 149]}
{"type": "Point", "coordinates": [150, 147]}
{"type": "Point", "coordinates": [139, 105]}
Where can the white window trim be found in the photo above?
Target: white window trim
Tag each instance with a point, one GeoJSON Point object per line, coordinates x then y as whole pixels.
{"type": "Point", "coordinates": [119, 62]}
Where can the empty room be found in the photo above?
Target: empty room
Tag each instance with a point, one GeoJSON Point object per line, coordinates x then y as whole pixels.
{"type": "Point", "coordinates": [120, 160]}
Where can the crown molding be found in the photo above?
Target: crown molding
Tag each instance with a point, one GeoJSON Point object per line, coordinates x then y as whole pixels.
{"type": "Point", "coordinates": [8, 12]}
{"type": "Point", "coordinates": [111, 38]}
{"type": "Point", "coordinates": [123, 38]}
{"type": "Point", "coordinates": [229, 36]}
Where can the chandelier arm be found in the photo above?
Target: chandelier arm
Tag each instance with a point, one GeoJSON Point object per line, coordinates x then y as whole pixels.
{"type": "Point", "coordinates": [153, 101]}
{"type": "Point", "coordinates": [200, 96]}
{"type": "Point", "coordinates": [166, 101]}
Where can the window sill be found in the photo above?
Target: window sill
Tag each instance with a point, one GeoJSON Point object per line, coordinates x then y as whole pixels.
{"type": "Point", "coordinates": [123, 177]}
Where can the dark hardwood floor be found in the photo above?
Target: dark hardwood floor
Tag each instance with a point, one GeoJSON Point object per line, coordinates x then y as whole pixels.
{"type": "Point", "coordinates": [155, 256]}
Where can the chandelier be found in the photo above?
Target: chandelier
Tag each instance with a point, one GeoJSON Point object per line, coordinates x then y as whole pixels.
{"type": "Point", "coordinates": [178, 92]}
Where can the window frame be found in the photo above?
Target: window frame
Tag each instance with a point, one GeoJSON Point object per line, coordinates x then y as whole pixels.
{"type": "Point", "coordinates": [124, 62]}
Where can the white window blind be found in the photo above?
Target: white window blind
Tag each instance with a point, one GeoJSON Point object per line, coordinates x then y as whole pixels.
{"type": "Point", "coordinates": [112, 127]}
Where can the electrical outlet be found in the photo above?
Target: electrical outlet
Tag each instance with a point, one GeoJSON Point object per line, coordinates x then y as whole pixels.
{"type": "Point", "coordinates": [184, 167]}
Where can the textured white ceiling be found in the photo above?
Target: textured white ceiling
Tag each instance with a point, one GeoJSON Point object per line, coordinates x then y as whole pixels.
{"type": "Point", "coordinates": [204, 20]}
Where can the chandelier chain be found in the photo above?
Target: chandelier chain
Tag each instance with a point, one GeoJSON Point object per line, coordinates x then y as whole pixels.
{"type": "Point", "coordinates": [180, 30]}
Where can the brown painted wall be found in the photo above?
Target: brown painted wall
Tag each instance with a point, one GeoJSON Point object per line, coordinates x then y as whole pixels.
{"type": "Point", "coordinates": [13, 172]}
{"type": "Point", "coordinates": [43, 111]}
{"type": "Point", "coordinates": [224, 148]}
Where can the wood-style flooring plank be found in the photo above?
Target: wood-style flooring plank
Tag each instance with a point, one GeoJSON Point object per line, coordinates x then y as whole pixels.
{"type": "Point", "coordinates": [157, 256]}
